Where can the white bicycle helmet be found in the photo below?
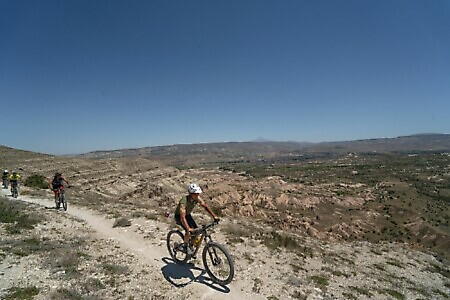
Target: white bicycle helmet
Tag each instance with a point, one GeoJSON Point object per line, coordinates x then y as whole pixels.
{"type": "Point", "coordinates": [194, 188]}
{"type": "Point", "coordinates": [6, 171]}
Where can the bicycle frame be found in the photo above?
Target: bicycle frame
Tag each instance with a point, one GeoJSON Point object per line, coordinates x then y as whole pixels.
{"type": "Point", "coordinates": [204, 235]}
{"type": "Point", "coordinates": [59, 195]}
{"type": "Point", "coordinates": [59, 191]}
{"type": "Point", "coordinates": [215, 257]}
{"type": "Point", "coordinates": [14, 188]}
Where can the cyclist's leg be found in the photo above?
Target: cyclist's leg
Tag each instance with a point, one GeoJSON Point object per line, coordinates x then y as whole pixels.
{"type": "Point", "coordinates": [56, 191]}
{"type": "Point", "coordinates": [178, 221]}
{"type": "Point", "coordinates": [191, 222]}
{"type": "Point", "coordinates": [13, 185]}
{"type": "Point", "coordinates": [187, 236]}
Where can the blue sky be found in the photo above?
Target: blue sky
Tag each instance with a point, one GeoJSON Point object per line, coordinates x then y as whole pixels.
{"type": "Point", "coordinates": [83, 75]}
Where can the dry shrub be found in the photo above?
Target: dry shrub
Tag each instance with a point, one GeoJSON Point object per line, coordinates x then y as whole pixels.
{"type": "Point", "coordinates": [122, 222]}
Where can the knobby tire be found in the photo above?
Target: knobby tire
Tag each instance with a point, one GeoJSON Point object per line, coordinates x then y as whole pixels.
{"type": "Point", "coordinates": [174, 239]}
{"type": "Point", "coordinates": [15, 192]}
{"type": "Point", "coordinates": [63, 201]}
{"type": "Point", "coordinates": [215, 251]}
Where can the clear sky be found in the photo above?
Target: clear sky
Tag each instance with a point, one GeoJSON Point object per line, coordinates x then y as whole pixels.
{"type": "Point", "coordinates": [83, 75]}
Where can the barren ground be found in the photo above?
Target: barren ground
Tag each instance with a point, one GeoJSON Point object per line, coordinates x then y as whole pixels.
{"type": "Point", "coordinates": [86, 258]}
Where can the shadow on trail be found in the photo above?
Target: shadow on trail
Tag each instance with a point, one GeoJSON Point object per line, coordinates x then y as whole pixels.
{"type": "Point", "coordinates": [180, 275]}
{"type": "Point", "coordinates": [54, 208]}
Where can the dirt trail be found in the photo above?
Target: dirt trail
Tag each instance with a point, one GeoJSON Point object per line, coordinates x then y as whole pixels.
{"type": "Point", "coordinates": [191, 278]}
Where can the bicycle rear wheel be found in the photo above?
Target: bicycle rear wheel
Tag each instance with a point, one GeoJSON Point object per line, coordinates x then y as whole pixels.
{"type": "Point", "coordinates": [58, 202]}
{"type": "Point", "coordinates": [63, 201]}
{"type": "Point", "coordinates": [175, 241]}
{"type": "Point", "coordinates": [218, 263]}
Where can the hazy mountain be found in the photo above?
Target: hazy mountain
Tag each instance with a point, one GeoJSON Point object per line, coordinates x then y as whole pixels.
{"type": "Point", "coordinates": [263, 148]}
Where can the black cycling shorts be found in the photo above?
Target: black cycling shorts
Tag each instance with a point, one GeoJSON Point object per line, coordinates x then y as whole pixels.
{"type": "Point", "coordinates": [189, 220]}
{"type": "Point", "coordinates": [56, 186]}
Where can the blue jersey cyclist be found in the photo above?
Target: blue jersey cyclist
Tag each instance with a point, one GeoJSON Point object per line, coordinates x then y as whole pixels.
{"type": "Point", "coordinates": [183, 211]}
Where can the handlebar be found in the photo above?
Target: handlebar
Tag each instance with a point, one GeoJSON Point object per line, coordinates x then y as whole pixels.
{"type": "Point", "coordinates": [203, 228]}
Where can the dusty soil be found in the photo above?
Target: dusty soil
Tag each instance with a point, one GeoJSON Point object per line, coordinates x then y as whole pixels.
{"type": "Point", "coordinates": [79, 255]}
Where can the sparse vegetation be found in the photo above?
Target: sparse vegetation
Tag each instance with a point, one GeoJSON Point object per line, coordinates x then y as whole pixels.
{"type": "Point", "coordinates": [26, 293]}
{"type": "Point", "coordinates": [122, 222]}
{"type": "Point", "coordinates": [394, 294]}
{"type": "Point", "coordinates": [361, 290]}
{"type": "Point", "coordinates": [444, 271]}
{"type": "Point", "coordinates": [15, 215]}
{"type": "Point", "coordinates": [280, 240]}
{"type": "Point", "coordinates": [319, 280]}
{"type": "Point", "coordinates": [395, 263]}
{"type": "Point", "coordinates": [257, 285]}
{"type": "Point", "coordinates": [349, 296]}
{"type": "Point", "coordinates": [248, 257]}
{"type": "Point", "coordinates": [36, 181]}
{"type": "Point", "coordinates": [379, 266]}
{"type": "Point", "coordinates": [111, 268]}
{"type": "Point", "coordinates": [64, 293]}
{"type": "Point", "coordinates": [93, 284]}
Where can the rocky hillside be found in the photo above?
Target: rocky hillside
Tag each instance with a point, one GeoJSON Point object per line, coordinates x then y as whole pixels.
{"type": "Point", "coordinates": [401, 197]}
{"type": "Point", "coordinates": [347, 225]}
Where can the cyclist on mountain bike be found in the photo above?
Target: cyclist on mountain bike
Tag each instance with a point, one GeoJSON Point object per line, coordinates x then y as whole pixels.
{"type": "Point", "coordinates": [5, 179]}
{"type": "Point", "coordinates": [57, 182]}
{"type": "Point", "coordinates": [183, 211]}
{"type": "Point", "coordinates": [14, 180]}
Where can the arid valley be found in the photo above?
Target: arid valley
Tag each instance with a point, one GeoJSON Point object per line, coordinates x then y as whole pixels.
{"type": "Point", "coordinates": [351, 220]}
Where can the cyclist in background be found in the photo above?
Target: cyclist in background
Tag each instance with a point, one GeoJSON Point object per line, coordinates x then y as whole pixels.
{"type": "Point", "coordinates": [57, 182]}
{"type": "Point", "coordinates": [5, 179]}
{"type": "Point", "coordinates": [183, 211]}
{"type": "Point", "coordinates": [14, 180]}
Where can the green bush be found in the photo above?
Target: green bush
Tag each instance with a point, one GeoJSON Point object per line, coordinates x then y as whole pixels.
{"type": "Point", "coordinates": [14, 215]}
{"type": "Point", "coordinates": [36, 181]}
{"type": "Point", "coordinates": [275, 240]}
{"type": "Point", "coordinates": [122, 222]}
{"type": "Point", "coordinates": [22, 293]}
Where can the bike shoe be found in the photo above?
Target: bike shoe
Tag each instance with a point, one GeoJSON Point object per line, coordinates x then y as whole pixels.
{"type": "Point", "coordinates": [188, 249]}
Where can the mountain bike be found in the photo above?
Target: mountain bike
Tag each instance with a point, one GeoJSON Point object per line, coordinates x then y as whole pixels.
{"type": "Point", "coordinates": [60, 198]}
{"type": "Point", "coordinates": [216, 259]}
{"type": "Point", "coordinates": [14, 189]}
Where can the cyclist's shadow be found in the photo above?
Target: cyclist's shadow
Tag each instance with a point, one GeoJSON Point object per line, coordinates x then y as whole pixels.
{"type": "Point", "coordinates": [180, 275]}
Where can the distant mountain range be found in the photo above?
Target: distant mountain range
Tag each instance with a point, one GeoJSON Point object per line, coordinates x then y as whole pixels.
{"type": "Point", "coordinates": [264, 148]}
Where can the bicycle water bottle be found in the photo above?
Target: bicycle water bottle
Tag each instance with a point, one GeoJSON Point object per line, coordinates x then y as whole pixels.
{"type": "Point", "coordinates": [197, 241]}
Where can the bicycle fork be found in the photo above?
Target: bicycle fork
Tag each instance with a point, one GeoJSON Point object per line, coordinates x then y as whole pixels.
{"type": "Point", "coordinates": [215, 259]}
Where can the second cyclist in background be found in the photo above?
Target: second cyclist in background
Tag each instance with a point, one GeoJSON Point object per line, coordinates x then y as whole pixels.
{"type": "Point", "coordinates": [5, 179]}
{"type": "Point", "coordinates": [14, 181]}
{"type": "Point", "coordinates": [57, 182]}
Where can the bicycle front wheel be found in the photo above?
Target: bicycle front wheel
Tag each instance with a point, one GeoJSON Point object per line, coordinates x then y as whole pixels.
{"type": "Point", "coordinates": [218, 263]}
{"type": "Point", "coordinates": [175, 241]}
